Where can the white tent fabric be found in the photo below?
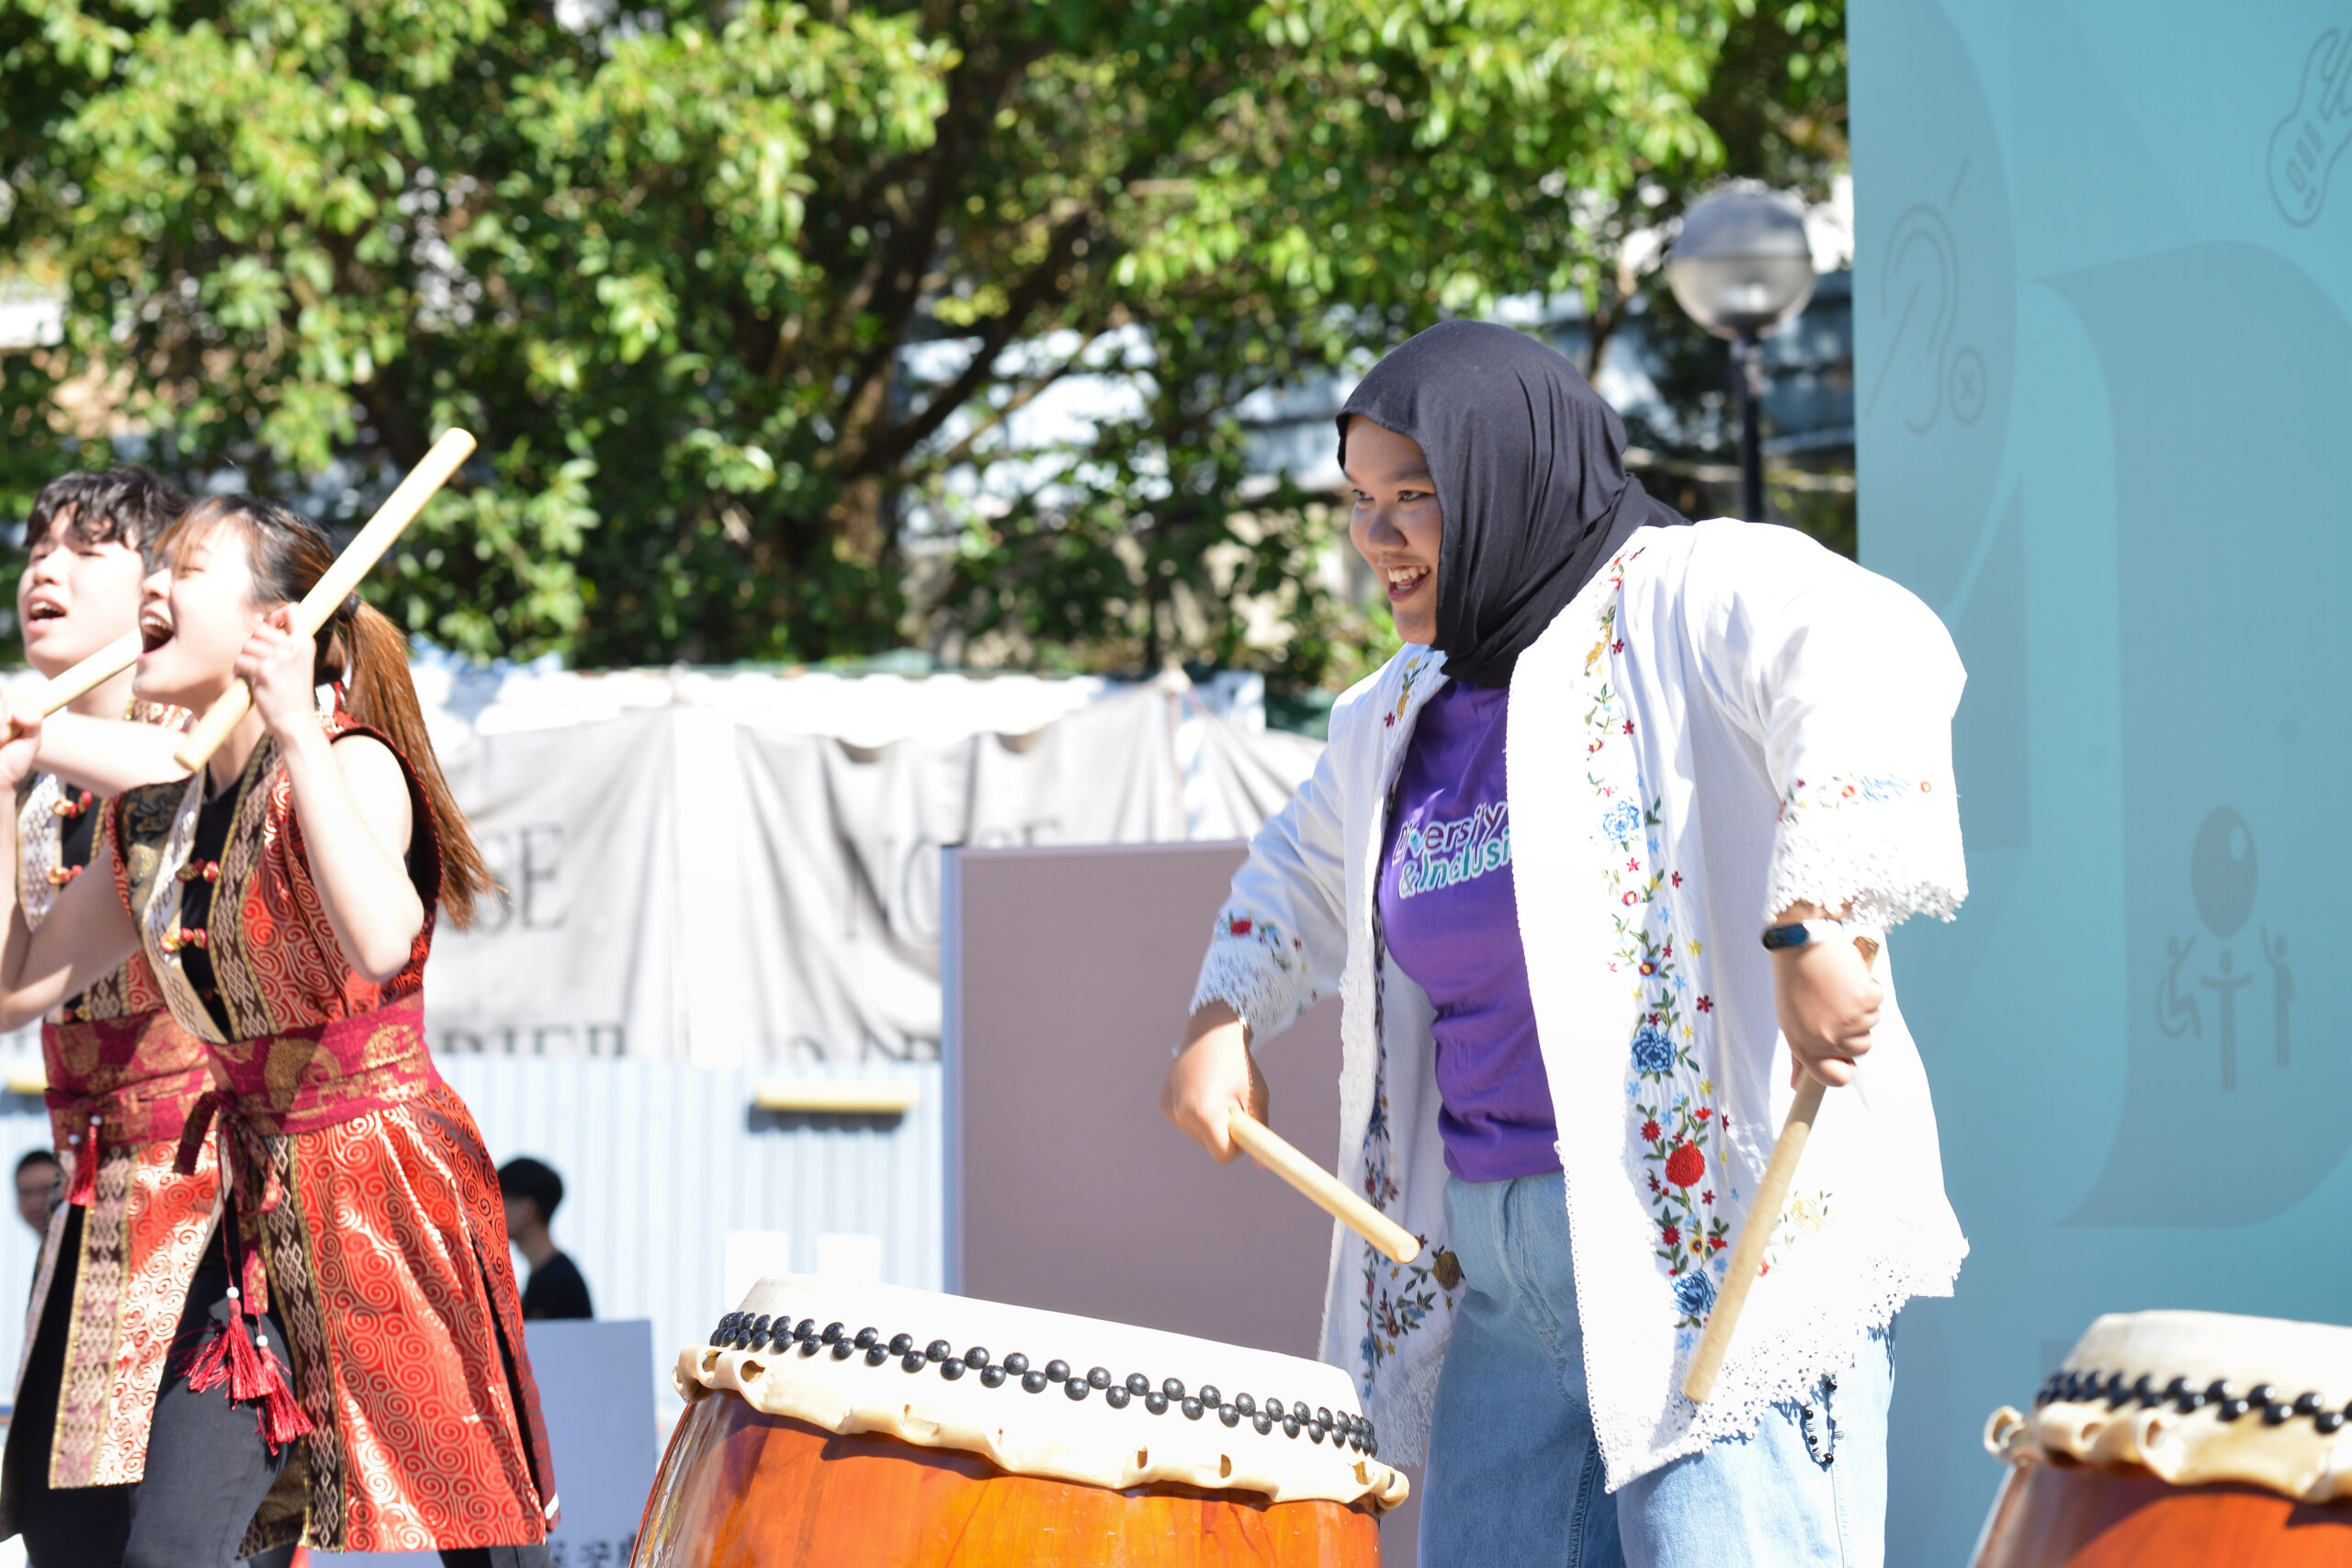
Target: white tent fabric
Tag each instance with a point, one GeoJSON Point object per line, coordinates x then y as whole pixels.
{"type": "Point", "coordinates": [690, 883]}
{"type": "Point", "coordinates": [732, 868]}
{"type": "Point", "coordinates": [465, 699]}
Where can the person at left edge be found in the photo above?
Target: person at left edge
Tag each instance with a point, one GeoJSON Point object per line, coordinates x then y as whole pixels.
{"type": "Point", "coordinates": [121, 1255]}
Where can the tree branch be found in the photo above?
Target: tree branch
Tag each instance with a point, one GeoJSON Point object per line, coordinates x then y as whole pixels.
{"type": "Point", "coordinates": [962, 450]}
{"type": "Point", "coordinates": [1030, 292]}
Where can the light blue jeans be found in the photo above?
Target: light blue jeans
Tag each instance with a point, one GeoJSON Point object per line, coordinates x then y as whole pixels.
{"type": "Point", "coordinates": [1515, 1473]}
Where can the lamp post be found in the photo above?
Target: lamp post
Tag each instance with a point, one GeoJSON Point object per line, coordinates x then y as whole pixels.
{"type": "Point", "coordinates": [1743, 268]}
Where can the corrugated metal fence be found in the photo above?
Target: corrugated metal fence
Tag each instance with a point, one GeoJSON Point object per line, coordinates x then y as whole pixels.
{"type": "Point", "coordinates": [661, 1162]}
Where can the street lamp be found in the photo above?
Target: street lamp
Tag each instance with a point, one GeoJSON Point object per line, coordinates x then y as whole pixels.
{"type": "Point", "coordinates": [1743, 268]}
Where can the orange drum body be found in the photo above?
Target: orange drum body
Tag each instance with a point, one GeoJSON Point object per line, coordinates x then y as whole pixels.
{"type": "Point", "coordinates": [2181, 1439]}
{"type": "Point", "coordinates": [2054, 1516]}
{"type": "Point", "coordinates": [742, 1489]}
{"type": "Point", "coordinates": [833, 1426]}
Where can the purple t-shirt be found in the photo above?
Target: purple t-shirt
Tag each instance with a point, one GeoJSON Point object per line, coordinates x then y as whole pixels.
{"type": "Point", "coordinates": [1451, 915]}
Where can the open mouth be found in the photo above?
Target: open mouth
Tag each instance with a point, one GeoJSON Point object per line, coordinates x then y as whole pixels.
{"type": "Point", "coordinates": [44, 610]}
{"type": "Point", "coordinates": [1404, 580]}
{"type": "Point", "coordinates": [155, 631]}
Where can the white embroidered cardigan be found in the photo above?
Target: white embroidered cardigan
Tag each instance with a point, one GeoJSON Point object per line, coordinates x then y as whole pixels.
{"type": "Point", "coordinates": [1727, 720]}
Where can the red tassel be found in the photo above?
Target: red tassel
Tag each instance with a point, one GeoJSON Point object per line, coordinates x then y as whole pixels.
{"type": "Point", "coordinates": [282, 1420]}
{"type": "Point", "coordinates": [211, 1368]}
{"type": "Point", "coordinates": [249, 1368]}
{"type": "Point", "coordinates": [237, 1356]}
{"type": "Point", "coordinates": [85, 1191]}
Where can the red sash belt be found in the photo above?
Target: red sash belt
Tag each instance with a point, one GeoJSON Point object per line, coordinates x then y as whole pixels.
{"type": "Point", "coordinates": [305, 1080]}
{"type": "Point", "coordinates": [301, 1081]}
{"type": "Point", "coordinates": [144, 1106]}
{"type": "Point", "coordinates": [152, 1111]}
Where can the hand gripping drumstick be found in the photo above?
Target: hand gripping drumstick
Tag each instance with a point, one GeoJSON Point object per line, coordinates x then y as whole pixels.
{"type": "Point", "coordinates": [95, 671]}
{"type": "Point", "coordinates": [367, 548]}
{"type": "Point", "coordinates": [1322, 1189]}
{"type": "Point", "coordinates": [1763, 1219]}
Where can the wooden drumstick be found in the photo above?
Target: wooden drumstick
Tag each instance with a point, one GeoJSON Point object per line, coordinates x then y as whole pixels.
{"type": "Point", "coordinates": [1763, 1219]}
{"type": "Point", "coordinates": [1322, 1189]}
{"type": "Point", "coordinates": [110, 662]}
{"type": "Point", "coordinates": [367, 548]}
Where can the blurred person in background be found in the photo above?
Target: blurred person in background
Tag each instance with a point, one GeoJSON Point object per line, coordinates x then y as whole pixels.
{"type": "Point", "coordinates": [532, 1191]}
{"type": "Point", "coordinates": [40, 1182]}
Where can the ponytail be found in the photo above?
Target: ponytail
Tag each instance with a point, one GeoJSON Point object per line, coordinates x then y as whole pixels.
{"type": "Point", "coordinates": [373, 655]}
{"type": "Point", "coordinates": [362, 648]}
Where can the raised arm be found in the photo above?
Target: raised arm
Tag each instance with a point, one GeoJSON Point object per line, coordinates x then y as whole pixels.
{"type": "Point", "coordinates": [1847, 684]}
{"type": "Point", "coordinates": [87, 933]}
{"type": "Point", "coordinates": [1279, 942]}
{"type": "Point", "coordinates": [108, 755]}
{"type": "Point", "coordinates": [351, 799]}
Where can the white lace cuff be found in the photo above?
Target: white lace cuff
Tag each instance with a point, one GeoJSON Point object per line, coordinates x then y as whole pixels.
{"type": "Point", "coordinates": [1258, 969]}
{"type": "Point", "coordinates": [1886, 844]}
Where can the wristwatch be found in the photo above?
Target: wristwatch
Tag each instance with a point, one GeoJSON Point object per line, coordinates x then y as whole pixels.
{"type": "Point", "coordinates": [1799, 932]}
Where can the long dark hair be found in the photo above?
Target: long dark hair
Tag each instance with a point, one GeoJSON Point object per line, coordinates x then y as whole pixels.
{"type": "Point", "coordinates": [361, 646]}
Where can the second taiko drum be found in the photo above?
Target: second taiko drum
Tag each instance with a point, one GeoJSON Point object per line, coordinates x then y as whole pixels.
{"type": "Point", "coordinates": [2181, 1439]}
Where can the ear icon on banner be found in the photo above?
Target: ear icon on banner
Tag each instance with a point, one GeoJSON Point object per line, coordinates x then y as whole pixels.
{"type": "Point", "coordinates": [1919, 296]}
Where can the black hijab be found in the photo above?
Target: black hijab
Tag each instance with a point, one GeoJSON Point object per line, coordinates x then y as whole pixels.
{"type": "Point", "coordinates": [1530, 465]}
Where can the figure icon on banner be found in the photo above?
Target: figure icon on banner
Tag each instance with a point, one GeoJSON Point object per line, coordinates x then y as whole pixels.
{"type": "Point", "coordinates": [2171, 1006]}
{"type": "Point", "coordinates": [2223, 874]}
{"type": "Point", "coordinates": [2283, 988]}
{"type": "Point", "coordinates": [2225, 988]}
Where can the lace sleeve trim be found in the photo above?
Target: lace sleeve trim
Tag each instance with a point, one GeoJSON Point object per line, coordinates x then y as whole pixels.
{"type": "Point", "coordinates": [1886, 844]}
{"type": "Point", "coordinates": [1258, 969]}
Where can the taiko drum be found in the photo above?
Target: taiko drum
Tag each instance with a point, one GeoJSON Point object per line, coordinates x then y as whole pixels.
{"type": "Point", "coordinates": [836, 1426]}
{"type": "Point", "coordinates": [2176, 1439]}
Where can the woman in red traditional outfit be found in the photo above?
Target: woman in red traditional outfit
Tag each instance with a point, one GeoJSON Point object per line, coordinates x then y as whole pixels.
{"type": "Point", "coordinates": [121, 1252]}
{"type": "Point", "coordinates": [285, 900]}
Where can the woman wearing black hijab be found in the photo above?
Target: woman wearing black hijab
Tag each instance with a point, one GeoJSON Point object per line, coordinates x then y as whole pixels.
{"type": "Point", "coordinates": [1581, 861]}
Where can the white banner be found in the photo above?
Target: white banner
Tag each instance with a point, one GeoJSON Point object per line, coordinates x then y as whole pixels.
{"type": "Point", "coordinates": [699, 882]}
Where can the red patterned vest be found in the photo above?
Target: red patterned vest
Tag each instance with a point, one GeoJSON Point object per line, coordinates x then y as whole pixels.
{"type": "Point", "coordinates": [307, 1042]}
{"type": "Point", "coordinates": [114, 1057]}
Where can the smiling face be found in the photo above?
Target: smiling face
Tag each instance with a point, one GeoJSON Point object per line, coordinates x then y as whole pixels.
{"type": "Point", "coordinates": [1394, 523]}
{"type": "Point", "coordinates": [75, 596]}
{"type": "Point", "coordinates": [197, 612]}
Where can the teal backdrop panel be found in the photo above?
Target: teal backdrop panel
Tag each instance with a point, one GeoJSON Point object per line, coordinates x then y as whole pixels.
{"type": "Point", "coordinates": [2103, 382]}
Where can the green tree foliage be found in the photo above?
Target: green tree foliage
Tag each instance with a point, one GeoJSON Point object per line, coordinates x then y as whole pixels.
{"type": "Point", "coordinates": [739, 299]}
{"type": "Point", "coordinates": [1776, 102]}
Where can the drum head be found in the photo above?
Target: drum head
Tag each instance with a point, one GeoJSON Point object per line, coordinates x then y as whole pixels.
{"type": "Point", "coordinates": [1043, 1394]}
{"type": "Point", "coordinates": [2199, 1398]}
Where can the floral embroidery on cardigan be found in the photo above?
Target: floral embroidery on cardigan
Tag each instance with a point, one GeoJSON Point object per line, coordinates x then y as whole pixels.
{"type": "Point", "coordinates": [1852, 789]}
{"type": "Point", "coordinates": [1397, 1297]}
{"type": "Point", "coordinates": [1807, 1213]}
{"type": "Point", "coordinates": [1284, 951]}
{"type": "Point", "coordinates": [1676, 1128]}
{"type": "Point", "coordinates": [1404, 693]}
{"type": "Point", "coordinates": [1882, 865]}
